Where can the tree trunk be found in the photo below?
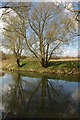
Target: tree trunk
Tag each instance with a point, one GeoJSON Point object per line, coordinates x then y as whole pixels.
{"type": "Point", "coordinates": [44, 63]}
{"type": "Point", "coordinates": [18, 62]}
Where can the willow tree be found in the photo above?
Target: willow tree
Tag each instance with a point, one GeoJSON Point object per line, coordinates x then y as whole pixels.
{"type": "Point", "coordinates": [45, 27]}
{"type": "Point", "coordinates": [14, 19]}
{"type": "Point", "coordinates": [12, 40]}
{"type": "Point", "coordinates": [53, 27]}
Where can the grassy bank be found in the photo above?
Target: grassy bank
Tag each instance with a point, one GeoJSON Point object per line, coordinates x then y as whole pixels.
{"type": "Point", "coordinates": [56, 67]}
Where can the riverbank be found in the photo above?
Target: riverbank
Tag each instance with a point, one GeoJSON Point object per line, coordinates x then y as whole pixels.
{"type": "Point", "coordinates": [54, 67]}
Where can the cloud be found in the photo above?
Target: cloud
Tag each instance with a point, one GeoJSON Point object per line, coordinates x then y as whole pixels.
{"type": "Point", "coordinates": [69, 51]}
{"type": "Point", "coordinates": [7, 51]}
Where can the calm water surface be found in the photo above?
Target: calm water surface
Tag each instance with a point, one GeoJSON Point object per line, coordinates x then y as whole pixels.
{"type": "Point", "coordinates": [39, 96]}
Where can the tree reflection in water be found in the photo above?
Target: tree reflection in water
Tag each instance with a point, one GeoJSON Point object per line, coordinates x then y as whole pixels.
{"type": "Point", "coordinates": [46, 99]}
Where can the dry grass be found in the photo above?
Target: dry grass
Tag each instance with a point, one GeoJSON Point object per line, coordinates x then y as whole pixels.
{"type": "Point", "coordinates": [66, 59]}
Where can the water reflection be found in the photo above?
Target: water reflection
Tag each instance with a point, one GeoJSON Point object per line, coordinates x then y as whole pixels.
{"type": "Point", "coordinates": [40, 98]}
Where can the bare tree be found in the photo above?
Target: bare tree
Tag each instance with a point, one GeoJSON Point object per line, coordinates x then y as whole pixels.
{"type": "Point", "coordinates": [46, 26]}
{"type": "Point", "coordinates": [12, 40]}
{"type": "Point", "coordinates": [52, 26]}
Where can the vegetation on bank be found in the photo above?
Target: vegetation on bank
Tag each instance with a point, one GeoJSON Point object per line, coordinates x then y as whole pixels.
{"type": "Point", "coordinates": [32, 65]}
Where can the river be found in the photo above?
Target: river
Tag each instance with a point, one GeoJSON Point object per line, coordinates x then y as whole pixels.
{"type": "Point", "coordinates": [28, 95]}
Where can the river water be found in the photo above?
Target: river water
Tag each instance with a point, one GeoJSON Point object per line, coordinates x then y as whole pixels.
{"type": "Point", "coordinates": [28, 95]}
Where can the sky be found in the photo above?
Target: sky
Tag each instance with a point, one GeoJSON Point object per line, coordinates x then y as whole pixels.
{"type": "Point", "coordinates": [39, 0]}
{"type": "Point", "coordinates": [71, 50]}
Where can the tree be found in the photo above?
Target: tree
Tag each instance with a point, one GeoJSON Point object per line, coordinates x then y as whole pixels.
{"type": "Point", "coordinates": [46, 26]}
{"type": "Point", "coordinates": [12, 40]}
{"type": "Point", "coordinates": [52, 26]}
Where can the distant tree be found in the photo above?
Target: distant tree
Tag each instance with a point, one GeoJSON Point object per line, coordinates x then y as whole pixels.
{"type": "Point", "coordinates": [1, 55]}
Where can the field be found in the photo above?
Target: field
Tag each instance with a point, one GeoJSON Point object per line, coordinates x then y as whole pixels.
{"type": "Point", "coordinates": [56, 66]}
{"type": "Point", "coordinates": [66, 59]}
